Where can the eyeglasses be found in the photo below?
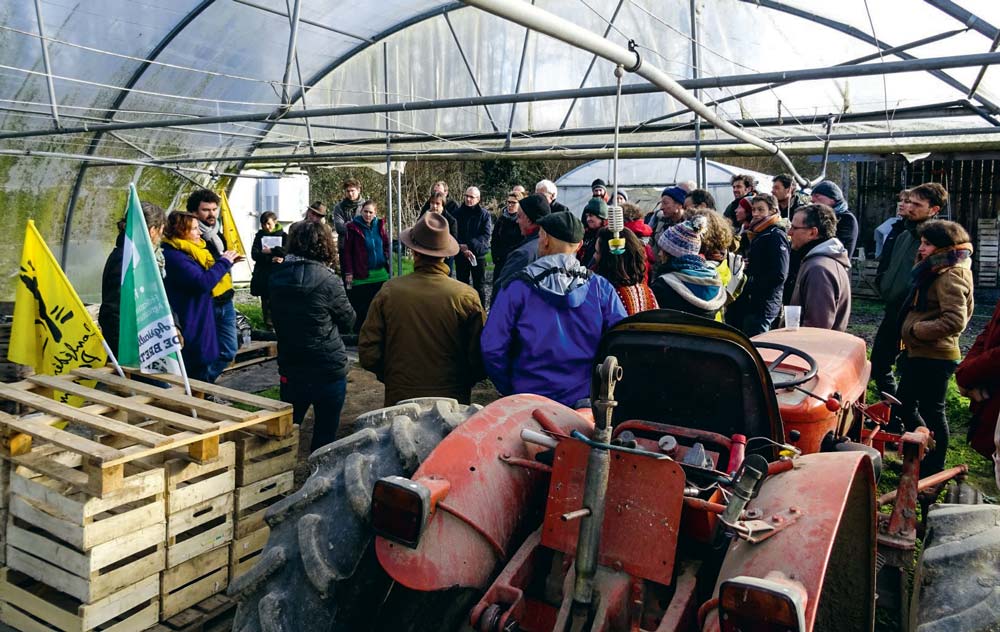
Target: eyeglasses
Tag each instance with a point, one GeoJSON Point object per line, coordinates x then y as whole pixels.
{"type": "Point", "coordinates": [469, 197]}
{"type": "Point", "coordinates": [794, 227]}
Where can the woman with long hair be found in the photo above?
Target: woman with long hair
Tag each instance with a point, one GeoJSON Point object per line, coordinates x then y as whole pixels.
{"type": "Point", "coordinates": [310, 311]}
{"type": "Point", "coordinates": [626, 272]}
{"type": "Point", "coordinates": [366, 260]}
{"type": "Point", "coordinates": [935, 313]}
{"type": "Point", "coordinates": [193, 277]}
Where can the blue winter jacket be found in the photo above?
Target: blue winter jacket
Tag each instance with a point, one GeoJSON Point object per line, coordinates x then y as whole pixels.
{"type": "Point", "coordinates": [543, 329]}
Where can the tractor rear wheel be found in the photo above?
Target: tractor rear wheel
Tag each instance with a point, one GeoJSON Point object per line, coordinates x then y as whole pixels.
{"type": "Point", "coordinates": [956, 579]}
{"type": "Point", "coordinates": [318, 571]}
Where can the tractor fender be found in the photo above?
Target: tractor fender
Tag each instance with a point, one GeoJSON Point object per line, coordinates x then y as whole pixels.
{"type": "Point", "coordinates": [828, 546]}
{"type": "Point", "coordinates": [490, 495]}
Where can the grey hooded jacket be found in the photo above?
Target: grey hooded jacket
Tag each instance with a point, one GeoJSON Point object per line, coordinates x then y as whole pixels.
{"type": "Point", "coordinates": [823, 286]}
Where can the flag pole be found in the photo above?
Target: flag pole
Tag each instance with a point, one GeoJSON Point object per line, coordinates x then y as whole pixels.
{"type": "Point", "coordinates": [111, 356]}
{"type": "Point", "coordinates": [184, 376]}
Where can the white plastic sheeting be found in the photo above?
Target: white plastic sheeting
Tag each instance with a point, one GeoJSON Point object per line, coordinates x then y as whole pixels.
{"type": "Point", "coordinates": [644, 180]}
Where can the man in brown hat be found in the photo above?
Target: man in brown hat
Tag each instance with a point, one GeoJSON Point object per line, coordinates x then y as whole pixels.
{"type": "Point", "coordinates": [421, 337]}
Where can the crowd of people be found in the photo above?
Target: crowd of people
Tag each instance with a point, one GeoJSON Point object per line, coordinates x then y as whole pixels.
{"type": "Point", "coordinates": [560, 281]}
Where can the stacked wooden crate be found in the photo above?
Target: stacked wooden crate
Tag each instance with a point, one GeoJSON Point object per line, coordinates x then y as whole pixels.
{"type": "Point", "coordinates": [863, 278]}
{"type": "Point", "coordinates": [264, 475]}
{"type": "Point", "coordinates": [130, 523]}
{"type": "Point", "coordinates": [987, 253]}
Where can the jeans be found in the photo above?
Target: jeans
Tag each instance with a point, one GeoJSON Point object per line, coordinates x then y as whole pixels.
{"type": "Point", "coordinates": [225, 332]}
{"type": "Point", "coordinates": [885, 348]}
{"type": "Point", "coordinates": [923, 383]}
{"type": "Point", "coordinates": [463, 270]}
{"type": "Point", "coordinates": [327, 400]}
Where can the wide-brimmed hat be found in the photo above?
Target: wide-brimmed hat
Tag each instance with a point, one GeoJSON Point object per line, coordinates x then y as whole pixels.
{"type": "Point", "coordinates": [319, 208]}
{"type": "Point", "coordinates": [430, 236]}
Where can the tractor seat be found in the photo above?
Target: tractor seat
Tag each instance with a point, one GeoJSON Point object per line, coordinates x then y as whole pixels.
{"type": "Point", "coordinates": [689, 371]}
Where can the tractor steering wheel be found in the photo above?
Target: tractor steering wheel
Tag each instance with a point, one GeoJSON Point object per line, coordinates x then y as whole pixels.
{"type": "Point", "coordinates": [786, 351]}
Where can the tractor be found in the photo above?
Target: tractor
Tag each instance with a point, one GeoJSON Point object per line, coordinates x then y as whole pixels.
{"type": "Point", "coordinates": [713, 483]}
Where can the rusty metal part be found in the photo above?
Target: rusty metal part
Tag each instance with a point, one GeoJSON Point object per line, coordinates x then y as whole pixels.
{"type": "Point", "coordinates": [526, 463]}
{"type": "Point", "coordinates": [704, 505]}
{"type": "Point", "coordinates": [595, 486]}
{"type": "Point", "coordinates": [900, 530]}
{"type": "Point", "coordinates": [463, 551]}
{"type": "Point", "coordinates": [830, 546]}
{"type": "Point", "coordinates": [644, 496]}
{"type": "Point", "coordinates": [756, 531]}
{"type": "Point", "coordinates": [926, 483]}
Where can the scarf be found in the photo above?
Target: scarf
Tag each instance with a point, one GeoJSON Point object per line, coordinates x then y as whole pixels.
{"type": "Point", "coordinates": [757, 226]}
{"type": "Point", "coordinates": [924, 272]}
{"type": "Point", "coordinates": [373, 242]}
{"type": "Point", "coordinates": [211, 234]}
{"type": "Point", "coordinates": [203, 257]}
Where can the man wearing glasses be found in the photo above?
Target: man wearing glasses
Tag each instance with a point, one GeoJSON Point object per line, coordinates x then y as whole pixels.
{"type": "Point", "coordinates": [506, 233]}
{"type": "Point", "coordinates": [474, 229]}
{"type": "Point", "coordinates": [823, 284]}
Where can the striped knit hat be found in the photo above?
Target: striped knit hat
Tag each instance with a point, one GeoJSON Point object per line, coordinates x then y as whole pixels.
{"type": "Point", "coordinates": [683, 238]}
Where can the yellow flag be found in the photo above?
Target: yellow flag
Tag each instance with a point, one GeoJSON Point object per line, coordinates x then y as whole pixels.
{"type": "Point", "coordinates": [52, 331]}
{"type": "Point", "coordinates": [229, 232]}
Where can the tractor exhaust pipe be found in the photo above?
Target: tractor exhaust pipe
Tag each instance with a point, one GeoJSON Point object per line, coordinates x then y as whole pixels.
{"type": "Point", "coordinates": [594, 495]}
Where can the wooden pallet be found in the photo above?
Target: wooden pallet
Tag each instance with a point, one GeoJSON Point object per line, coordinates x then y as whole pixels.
{"type": "Point", "coordinates": [193, 581]}
{"type": "Point", "coordinates": [86, 547]}
{"type": "Point", "coordinates": [214, 614]}
{"type": "Point", "coordinates": [987, 256]}
{"type": "Point", "coordinates": [31, 606]}
{"type": "Point", "coordinates": [134, 421]}
{"type": "Point", "coordinates": [863, 278]}
{"type": "Point", "coordinates": [254, 353]}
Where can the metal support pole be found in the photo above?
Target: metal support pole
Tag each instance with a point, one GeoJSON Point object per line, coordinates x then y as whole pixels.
{"type": "Point", "coordinates": [48, 66]}
{"type": "Point", "coordinates": [982, 71]}
{"type": "Point", "coordinates": [809, 74]}
{"type": "Point", "coordinates": [590, 67]}
{"type": "Point", "coordinates": [388, 154]}
{"type": "Point", "coordinates": [568, 32]}
{"type": "Point", "coordinates": [293, 37]}
{"type": "Point", "coordinates": [517, 84]}
{"type": "Point", "coordinates": [399, 215]}
{"type": "Point", "coordinates": [699, 161]}
{"type": "Point", "coordinates": [468, 66]}
{"type": "Point", "coordinates": [305, 106]}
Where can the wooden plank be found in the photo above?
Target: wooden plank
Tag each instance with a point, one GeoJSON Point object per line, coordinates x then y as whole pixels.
{"type": "Point", "coordinates": [170, 418]}
{"type": "Point", "coordinates": [203, 407]}
{"type": "Point", "coordinates": [246, 550]}
{"type": "Point", "coordinates": [190, 495]}
{"type": "Point", "coordinates": [252, 495]}
{"type": "Point", "coordinates": [69, 413]}
{"type": "Point", "coordinates": [258, 471]}
{"type": "Point", "coordinates": [209, 539]}
{"type": "Point", "coordinates": [227, 393]}
{"type": "Point", "coordinates": [61, 438]}
{"type": "Point", "coordinates": [180, 471]}
{"type": "Point", "coordinates": [195, 568]}
{"type": "Point", "coordinates": [113, 605]}
{"type": "Point", "coordinates": [210, 585]}
{"type": "Point", "coordinates": [197, 515]}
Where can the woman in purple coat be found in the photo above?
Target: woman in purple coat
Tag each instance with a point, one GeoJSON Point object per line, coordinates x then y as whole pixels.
{"type": "Point", "coordinates": [193, 277]}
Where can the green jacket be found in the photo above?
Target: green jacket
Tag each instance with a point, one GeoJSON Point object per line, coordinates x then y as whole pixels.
{"type": "Point", "coordinates": [895, 282]}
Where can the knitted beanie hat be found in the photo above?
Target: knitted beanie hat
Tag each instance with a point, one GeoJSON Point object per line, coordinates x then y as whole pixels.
{"type": "Point", "coordinates": [683, 238]}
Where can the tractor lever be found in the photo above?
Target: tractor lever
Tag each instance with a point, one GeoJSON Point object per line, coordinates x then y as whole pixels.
{"type": "Point", "coordinates": [745, 486]}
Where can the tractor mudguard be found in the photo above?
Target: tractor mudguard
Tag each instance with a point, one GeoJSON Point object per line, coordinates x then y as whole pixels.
{"type": "Point", "coordinates": [825, 510]}
{"type": "Point", "coordinates": [490, 495]}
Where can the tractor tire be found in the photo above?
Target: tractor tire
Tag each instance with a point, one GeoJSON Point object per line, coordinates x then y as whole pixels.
{"type": "Point", "coordinates": [310, 576]}
{"type": "Point", "coordinates": [956, 579]}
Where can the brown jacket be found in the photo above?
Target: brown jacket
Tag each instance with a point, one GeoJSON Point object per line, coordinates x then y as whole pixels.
{"type": "Point", "coordinates": [421, 336]}
{"type": "Point", "coordinates": [934, 332]}
{"type": "Point", "coordinates": [823, 286]}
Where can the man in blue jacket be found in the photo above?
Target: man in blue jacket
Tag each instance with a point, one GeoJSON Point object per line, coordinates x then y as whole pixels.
{"type": "Point", "coordinates": [542, 333]}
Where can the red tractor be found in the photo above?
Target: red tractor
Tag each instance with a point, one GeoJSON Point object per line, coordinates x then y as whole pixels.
{"type": "Point", "coordinates": [715, 483]}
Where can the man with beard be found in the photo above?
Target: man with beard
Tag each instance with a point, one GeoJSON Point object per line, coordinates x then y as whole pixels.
{"type": "Point", "coordinates": [743, 186]}
{"type": "Point", "coordinates": [346, 209]}
{"type": "Point", "coordinates": [204, 205]}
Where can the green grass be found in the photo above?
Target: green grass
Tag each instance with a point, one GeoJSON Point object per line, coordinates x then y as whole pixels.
{"type": "Point", "coordinates": [251, 310]}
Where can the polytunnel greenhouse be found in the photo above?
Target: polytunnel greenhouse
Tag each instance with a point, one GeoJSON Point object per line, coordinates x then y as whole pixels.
{"type": "Point", "coordinates": [173, 94]}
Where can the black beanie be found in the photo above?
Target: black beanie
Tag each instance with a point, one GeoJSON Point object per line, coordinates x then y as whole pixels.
{"type": "Point", "coordinates": [563, 226]}
{"type": "Point", "coordinates": [535, 206]}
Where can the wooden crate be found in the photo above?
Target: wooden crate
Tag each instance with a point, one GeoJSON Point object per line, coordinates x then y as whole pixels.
{"type": "Point", "coordinates": [199, 498]}
{"type": "Point", "coordinates": [28, 605]}
{"type": "Point", "coordinates": [89, 548]}
{"type": "Point", "coordinates": [987, 255]}
{"type": "Point", "coordinates": [214, 614]}
{"type": "Point", "coordinates": [193, 581]}
{"type": "Point", "coordinates": [254, 353]}
{"type": "Point", "coordinates": [264, 475]}
{"type": "Point", "coordinates": [133, 422]}
{"type": "Point", "coordinates": [863, 278]}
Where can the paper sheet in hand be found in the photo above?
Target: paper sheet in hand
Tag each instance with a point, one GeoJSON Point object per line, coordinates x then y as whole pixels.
{"type": "Point", "coordinates": [270, 242]}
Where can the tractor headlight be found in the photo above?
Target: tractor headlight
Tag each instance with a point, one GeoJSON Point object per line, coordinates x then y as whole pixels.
{"type": "Point", "coordinates": [754, 604]}
{"type": "Point", "coordinates": [401, 507]}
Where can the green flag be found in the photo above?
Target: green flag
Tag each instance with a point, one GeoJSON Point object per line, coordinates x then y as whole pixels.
{"type": "Point", "coordinates": [147, 338]}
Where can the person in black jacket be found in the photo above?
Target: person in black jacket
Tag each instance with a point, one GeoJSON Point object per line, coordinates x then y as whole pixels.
{"type": "Point", "coordinates": [474, 229]}
{"type": "Point", "coordinates": [265, 258]}
{"type": "Point", "coordinates": [506, 233]}
{"type": "Point", "coordinates": [111, 281]}
{"type": "Point", "coordinates": [767, 267]}
{"type": "Point", "coordinates": [310, 309]}
{"type": "Point", "coordinates": [827, 192]}
{"type": "Point", "coordinates": [438, 203]}
{"type": "Point", "coordinates": [449, 205]}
